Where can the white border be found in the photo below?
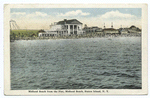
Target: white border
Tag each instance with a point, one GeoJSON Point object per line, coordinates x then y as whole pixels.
{"type": "Point", "coordinates": [144, 45]}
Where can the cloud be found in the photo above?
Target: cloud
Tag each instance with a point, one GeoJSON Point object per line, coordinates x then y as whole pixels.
{"type": "Point", "coordinates": [37, 14]}
{"type": "Point", "coordinates": [116, 15]}
{"type": "Point", "coordinates": [118, 19]}
{"type": "Point", "coordinates": [34, 20]}
{"type": "Point", "coordinates": [25, 15]}
{"type": "Point", "coordinates": [74, 13]}
{"type": "Point", "coordinates": [41, 20]}
{"type": "Point", "coordinates": [18, 13]}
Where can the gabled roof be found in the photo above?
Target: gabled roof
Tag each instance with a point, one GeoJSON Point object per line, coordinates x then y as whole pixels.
{"type": "Point", "coordinates": [72, 21]}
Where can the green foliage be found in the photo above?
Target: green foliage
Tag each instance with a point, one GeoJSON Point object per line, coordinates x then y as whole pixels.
{"type": "Point", "coordinates": [23, 33]}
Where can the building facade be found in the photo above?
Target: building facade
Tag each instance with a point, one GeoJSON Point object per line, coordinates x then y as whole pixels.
{"type": "Point", "coordinates": [63, 28]}
{"type": "Point", "coordinates": [123, 30]}
{"type": "Point", "coordinates": [92, 29]}
{"type": "Point", "coordinates": [134, 29]}
{"type": "Point", "coordinates": [110, 30]}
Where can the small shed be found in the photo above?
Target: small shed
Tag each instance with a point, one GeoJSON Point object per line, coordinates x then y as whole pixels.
{"type": "Point", "coordinates": [39, 33]}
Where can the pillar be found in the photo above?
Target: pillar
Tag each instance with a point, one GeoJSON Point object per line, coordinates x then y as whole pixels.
{"type": "Point", "coordinates": [68, 29]}
{"type": "Point", "coordinates": [77, 29]}
{"type": "Point", "coordinates": [73, 29]}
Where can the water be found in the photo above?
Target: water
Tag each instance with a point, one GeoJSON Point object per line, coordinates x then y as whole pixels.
{"type": "Point", "coordinates": [92, 63]}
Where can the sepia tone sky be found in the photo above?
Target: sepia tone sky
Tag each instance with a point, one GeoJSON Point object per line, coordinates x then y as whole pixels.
{"type": "Point", "coordinates": [41, 18]}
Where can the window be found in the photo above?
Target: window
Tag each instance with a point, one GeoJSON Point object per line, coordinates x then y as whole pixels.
{"type": "Point", "coordinates": [71, 32]}
{"type": "Point", "coordinates": [75, 32]}
{"type": "Point", "coordinates": [71, 26]}
{"type": "Point", "coordinates": [75, 26]}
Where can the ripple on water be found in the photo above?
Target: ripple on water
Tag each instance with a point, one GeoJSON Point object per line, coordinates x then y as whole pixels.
{"type": "Point", "coordinates": [96, 63]}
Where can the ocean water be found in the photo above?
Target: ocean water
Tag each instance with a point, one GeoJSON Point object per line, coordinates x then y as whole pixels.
{"type": "Point", "coordinates": [90, 63]}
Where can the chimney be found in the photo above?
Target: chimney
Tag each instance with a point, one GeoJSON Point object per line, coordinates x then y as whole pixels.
{"type": "Point", "coordinates": [112, 25]}
{"type": "Point", "coordinates": [65, 21]}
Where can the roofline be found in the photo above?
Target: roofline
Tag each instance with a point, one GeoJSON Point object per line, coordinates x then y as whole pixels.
{"type": "Point", "coordinates": [68, 20]}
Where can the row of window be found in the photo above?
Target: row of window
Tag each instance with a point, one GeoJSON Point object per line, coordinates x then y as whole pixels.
{"type": "Point", "coordinates": [75, 32]}
{"type": "Point", "coordinates": [62, 32]}
{"type": "Point", "coordinates": [48, 34]}
{"type": "Point", "coordinates": [71, 26]}
{"type": "Point", "coordinates": [90, 30]}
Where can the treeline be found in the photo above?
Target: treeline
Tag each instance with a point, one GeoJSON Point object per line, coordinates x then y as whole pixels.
{"type": "Point", "coordinates": [18, 34]}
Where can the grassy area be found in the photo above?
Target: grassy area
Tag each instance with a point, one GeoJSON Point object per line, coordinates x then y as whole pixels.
{"type": "Point", "coordinates": [14, 34]}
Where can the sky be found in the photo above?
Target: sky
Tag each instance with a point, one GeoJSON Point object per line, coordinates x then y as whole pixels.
{"type": "Point", "coordinates": [41, 18]}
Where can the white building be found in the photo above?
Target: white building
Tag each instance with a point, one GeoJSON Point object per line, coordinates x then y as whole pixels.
{"type": "Point", "coordinates": [92, 29]}
{"type": "Point", "coordinates": [65, 27]}
{"type": "Point", "coordinates": [110, 30]}
{"type": "Point", "coordinates": [124, 31]}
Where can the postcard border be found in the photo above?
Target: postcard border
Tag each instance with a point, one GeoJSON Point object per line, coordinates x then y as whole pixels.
{"type": "Point", "coordinates": [144, 8]}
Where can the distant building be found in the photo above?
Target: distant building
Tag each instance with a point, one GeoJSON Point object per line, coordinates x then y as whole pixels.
{"type": "Point", "coordinates": [134, 29]}
{"type": "Point", "coordinates": [139, 30]}
{"type": "Point", "coordinates": [92, 29]}
{"type": "Point", "coordinates": [65, 27]}
{"type": "Point", "coordinates": [41, 32]}
{"type": "Point", "coordinates": [123, 30]}
{"type": "Point", "coordinates": [110, 30]}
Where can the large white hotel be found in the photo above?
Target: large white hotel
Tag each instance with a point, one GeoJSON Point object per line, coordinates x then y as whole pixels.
{"type": "Point", "coordinates": [65, 27]}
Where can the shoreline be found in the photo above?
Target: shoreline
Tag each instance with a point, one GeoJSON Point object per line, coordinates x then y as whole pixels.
{"type": "Point", "coordinates": [77, 37]}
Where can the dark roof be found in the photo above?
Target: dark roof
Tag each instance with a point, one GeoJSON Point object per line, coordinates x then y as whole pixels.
{"type": "Point", "coordinates": [109, 29]}
{"type": "Point", "coordinates": [95, 27]}
{"type": "Point", "coordinates": [132, 26]}
{"type": "Point", "coordinates": [41, 30]}
{"type": "Point", "coordinates": [139, 29]}
{"type": "Point", "coordinates": [92, 27]}
{"type": "Point", "coordinates": [72, 21]}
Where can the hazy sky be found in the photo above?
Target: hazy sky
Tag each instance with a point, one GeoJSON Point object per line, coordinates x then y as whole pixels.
{"type": "Point", "coordinates": [41, 18]}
